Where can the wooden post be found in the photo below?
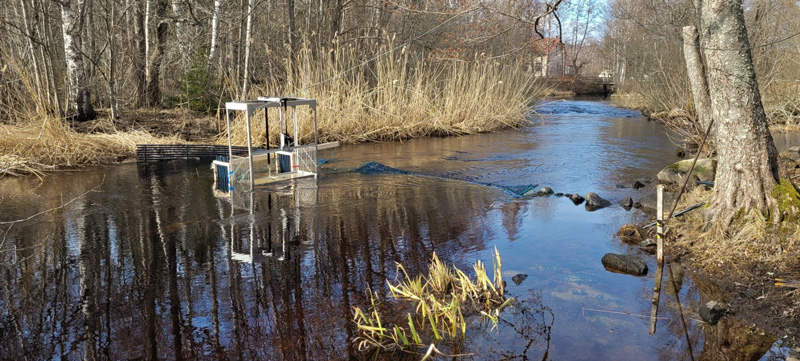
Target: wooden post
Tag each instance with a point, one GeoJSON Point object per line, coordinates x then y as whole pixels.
{"type": "Point", "coordinates": [659, 257]}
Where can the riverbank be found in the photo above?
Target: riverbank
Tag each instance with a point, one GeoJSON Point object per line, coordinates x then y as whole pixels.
{"type": "Point", "coordinates": [397, 102]}
{"type": "Point", "coordinates": [752, 266]}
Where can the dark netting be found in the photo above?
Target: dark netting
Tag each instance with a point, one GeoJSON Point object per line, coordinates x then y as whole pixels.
{"type": "Point", "coordinates": [378, 168]}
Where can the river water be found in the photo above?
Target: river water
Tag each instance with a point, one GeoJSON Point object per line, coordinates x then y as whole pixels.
{"type": "Point", "coordinates": [148, 262]}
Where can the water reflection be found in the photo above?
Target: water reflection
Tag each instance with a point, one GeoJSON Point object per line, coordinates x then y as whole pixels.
{"type": "Point", "coordinates": [170, 271]}
{"type": "Point", "coordinates": [155, 265]}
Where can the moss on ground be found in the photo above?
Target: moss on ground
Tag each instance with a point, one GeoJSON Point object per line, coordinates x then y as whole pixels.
{"type": "Point", "coordinates": [788, 198]}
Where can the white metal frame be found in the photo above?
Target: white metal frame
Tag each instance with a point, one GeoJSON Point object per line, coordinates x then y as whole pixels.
{"type": "Point", "coordinates": [250, 107]}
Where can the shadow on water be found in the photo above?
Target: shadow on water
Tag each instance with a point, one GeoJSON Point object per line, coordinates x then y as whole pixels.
{"type": "Point", "coordinates": [154, 265]}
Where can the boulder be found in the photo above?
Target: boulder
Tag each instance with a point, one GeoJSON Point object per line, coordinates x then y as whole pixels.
{"type": "Point", "coordinates": [595, 202]}
{"type": "Point", "coordinates": [519, 278]}
{"type": "Point", "coordinates": [638, 185]}
{"type": "Point", "coordinates": [712, 311]}
{"type": "Point", "coordinates": [795, 149]}
{"type": "Point", "coordinates": [648, 202]}
{"type": "Point", "coordinates": [559, 194]}
{"type": "Point", "coordinates": [637, 205]}
{"type": "Point", "coordinates": [545, 191]}
{"type": "Point", "coordinates": [576, 198]}
{"type": "Point", "coordinates": [627, 264]}
{"type": "Point", "coordinates": [705, 170]}
{"type": "Point", "coordinates": [626, 203]}
{"type": "Point", "coordinates": [647, 180]}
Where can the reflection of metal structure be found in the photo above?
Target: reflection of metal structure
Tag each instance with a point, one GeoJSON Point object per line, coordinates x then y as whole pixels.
{"type": "Point", "coordinates": [292, 159]}
{"type": "Point", "coordinates": [273, 221]}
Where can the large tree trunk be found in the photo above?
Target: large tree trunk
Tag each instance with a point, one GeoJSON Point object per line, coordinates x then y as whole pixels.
{"type": "Point", "coordinates": [747, 169]}
{"type": "Point", "coordinates": [80, 98]}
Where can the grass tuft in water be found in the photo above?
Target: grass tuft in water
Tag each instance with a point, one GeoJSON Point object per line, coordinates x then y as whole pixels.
{"type": "Point", "coordinates": [442, 301]}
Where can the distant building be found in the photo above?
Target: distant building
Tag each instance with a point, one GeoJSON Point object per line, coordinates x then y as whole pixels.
{"type": "Point", "coordinates": [549, 58]}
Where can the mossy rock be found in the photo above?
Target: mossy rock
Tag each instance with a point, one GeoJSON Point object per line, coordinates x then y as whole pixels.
{"type": "Point", "coordinates": [705, 170]}
{"type": "Point", "coordinates": [788, 198]}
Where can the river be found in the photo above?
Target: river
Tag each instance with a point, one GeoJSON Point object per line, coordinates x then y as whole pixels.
{"type": "Point", "coordinates": [148, 262]}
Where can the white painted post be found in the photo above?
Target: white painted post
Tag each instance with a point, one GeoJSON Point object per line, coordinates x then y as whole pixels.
{"type": "Point", "coordinates": [659, 257]}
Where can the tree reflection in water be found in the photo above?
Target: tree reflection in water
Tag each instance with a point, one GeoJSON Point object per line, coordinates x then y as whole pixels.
{"type": "Point", "coordinates": [156, 267]}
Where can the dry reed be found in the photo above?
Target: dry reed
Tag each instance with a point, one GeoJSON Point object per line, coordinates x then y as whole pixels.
{"type": "Point", "coordinates": [34, 140]}
{"type": "Point", "coordinates": [396, 96]}
{"type": "Point", "coordinates": [50, 144]}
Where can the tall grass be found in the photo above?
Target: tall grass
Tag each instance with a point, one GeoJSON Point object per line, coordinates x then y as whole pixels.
{"type": "Point", "coordinates": [397, 95]}
{"type": "Point", "coordinates": [35, 139]}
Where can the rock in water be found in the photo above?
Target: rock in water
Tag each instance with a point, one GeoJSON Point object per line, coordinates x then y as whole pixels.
{"type": "Point", "coordinates": [626, 203]}
{"type": "Point", "coordinates": [621, 263]}
{"type": "Point", "coordinates": [638, 185]}
{"type": "Point", "coordinates": [712, 311]}
{"type": "Point", "coordinates": [576, 198]}
{"type": "Point", "coordinates": [595, 202]}
{"type": "Point", "coordinates": [519, 278]}
{"type": "Point", "coordinates": [545, 191]}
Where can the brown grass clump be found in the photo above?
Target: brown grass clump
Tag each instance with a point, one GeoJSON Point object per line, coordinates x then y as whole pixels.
{"type": "Point", "coordinates": [631, 234]}
{"type": "Point", "coordinates": [396, 96]}
{"type": "Point", "coordinates": [49, 144]}
{"type": "Point", "coordinates": [752, 242]}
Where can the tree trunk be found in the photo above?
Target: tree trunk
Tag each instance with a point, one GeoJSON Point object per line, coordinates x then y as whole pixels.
{"type": "Point", "coordinates": [153, 84]}
{"type": "Point", "coordinates": [747, 169]}
{"type": "Point", "coordinates": [79, 99]}
{"type": "Point", "coordinates": [214, 32]}
{"type": "Point", "coordinates": [35, 61]}
{"type": "Point", "coordinates": [140, 55]}
{"type": "Point", "coordinates": [180, 32]}
{"type": "Point", "coordinates": [697, 75]}
{"type": "Point", "coordinates": [247, 46]}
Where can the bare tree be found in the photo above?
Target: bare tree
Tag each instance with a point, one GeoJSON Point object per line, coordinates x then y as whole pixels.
{"type": "Point", "coordinates": [79, 100]}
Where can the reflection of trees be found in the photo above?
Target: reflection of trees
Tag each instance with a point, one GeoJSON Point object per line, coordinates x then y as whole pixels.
{"type": "Point", "coordinates": [143, 269]}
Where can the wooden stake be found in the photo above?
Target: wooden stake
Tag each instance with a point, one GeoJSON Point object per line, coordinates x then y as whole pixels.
{"type": "Point", "coordinates": [659, 257]}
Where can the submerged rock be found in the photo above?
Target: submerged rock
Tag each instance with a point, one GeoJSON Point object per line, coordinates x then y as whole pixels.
{"type": "Point", "coordinates": [519, 278]}
{"type": "Point", "coordinates": [628, 264]}
{"type": "Point", "coordinates": [559, 194]}
{"type": "Point", "coordinates": [595, 202]}
{"type": "Point", "coordinates": [712, 311]}
{"type": "Point", "coordinates": [576, 198]}
{"type": "Point", "coordinates": [545, 191]}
